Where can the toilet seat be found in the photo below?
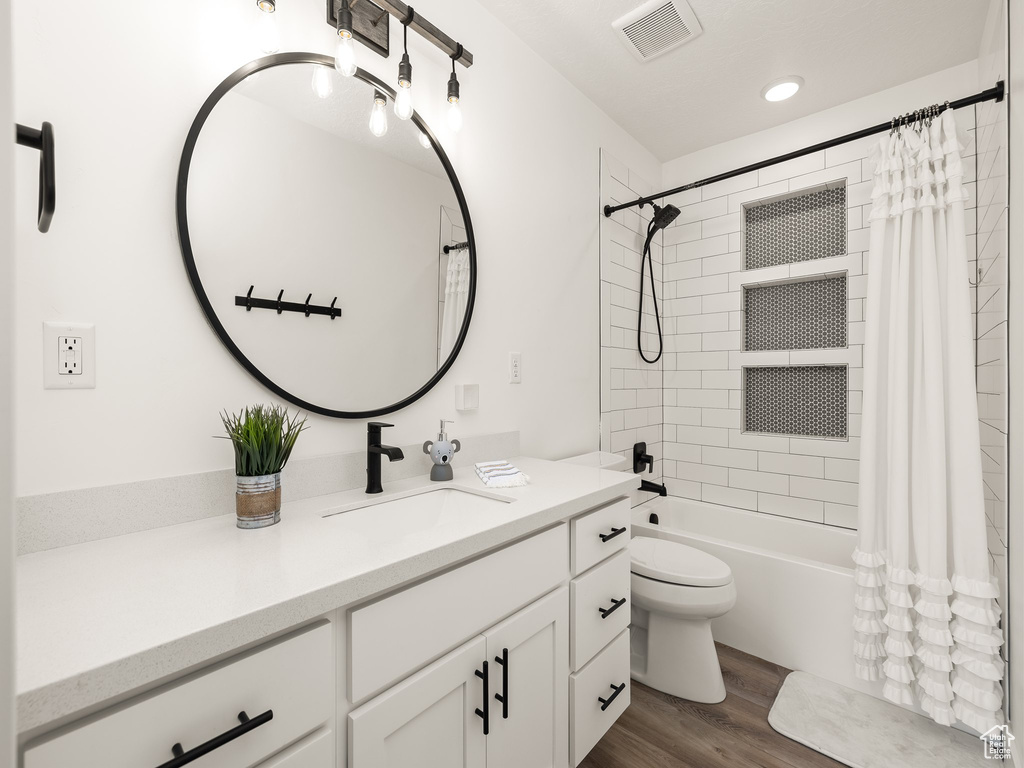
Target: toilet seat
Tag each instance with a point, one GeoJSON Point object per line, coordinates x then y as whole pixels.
{"type": "Point", "coordinates": [675, 563]}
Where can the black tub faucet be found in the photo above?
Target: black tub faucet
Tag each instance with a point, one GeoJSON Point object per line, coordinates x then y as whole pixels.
{"type": "Point", "coordinates": [373, 453]}
{"type": "Point", "coordinates": [642, 459]}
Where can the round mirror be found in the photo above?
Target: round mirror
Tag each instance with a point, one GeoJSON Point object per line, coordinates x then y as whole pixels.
{"type": "Point", "coordinates": [328, 242]}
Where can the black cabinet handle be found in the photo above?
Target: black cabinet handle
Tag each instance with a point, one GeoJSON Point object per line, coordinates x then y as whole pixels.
{"type": "Point", "coordinates": [503, 696]}
{"type": "Point", "coordinates": [181, 757]}
{"type": "Point", "coordinates": [616, 604]}
{"type": "Point", "coordinates": [485, 713]}
{"type": "Point", "coordinates": [605, 703]}
{"type": "Point", "coordinates": [41, 139]}
{"type": "Point", "coordinates": [615, 532]}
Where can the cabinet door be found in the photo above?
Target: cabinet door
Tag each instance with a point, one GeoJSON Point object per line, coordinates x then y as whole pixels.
{"type": "Point", "coordinates": [428, 721]}
{"type": "Point", "coordinates": [529, 664]}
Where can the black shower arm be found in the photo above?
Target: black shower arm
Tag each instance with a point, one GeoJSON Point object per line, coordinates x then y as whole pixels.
{"type": "Point", "coordinates": [42, 139]}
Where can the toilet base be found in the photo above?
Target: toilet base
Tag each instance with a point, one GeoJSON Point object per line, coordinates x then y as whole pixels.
{"type": "Point", "coordinates": [681, 659]}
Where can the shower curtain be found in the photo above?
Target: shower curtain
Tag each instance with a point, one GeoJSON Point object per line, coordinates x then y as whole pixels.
{"type": "Point", "coordinates": [926, 616]}
{"type": "Point", "coordinates": [456, 295]}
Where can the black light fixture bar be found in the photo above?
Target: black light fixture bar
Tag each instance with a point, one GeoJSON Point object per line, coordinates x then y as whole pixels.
{"type": "Point", "coordinates": [419, 24]}
{"type": "Point", "coordinates": [995, 93]}
{"type": "Point", "coordinates": [280, 306]}
{"type": "Point", "coordinates": [456, 247]}
{"type": "Point", "coordinates": [369, 24]}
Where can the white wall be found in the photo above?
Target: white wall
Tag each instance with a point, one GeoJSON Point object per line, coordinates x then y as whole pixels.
{"type": "Point", "coordinates": [122, 82]}
{"type": "Point", "coordinates": [6, 452]}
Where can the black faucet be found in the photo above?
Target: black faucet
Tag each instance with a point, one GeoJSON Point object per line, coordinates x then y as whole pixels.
{"type": "Point", "coordinates": [373, 452]}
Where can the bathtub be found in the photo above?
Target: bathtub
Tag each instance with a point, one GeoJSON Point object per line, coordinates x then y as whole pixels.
{"type": "Point", "coordinates": [794, 583]}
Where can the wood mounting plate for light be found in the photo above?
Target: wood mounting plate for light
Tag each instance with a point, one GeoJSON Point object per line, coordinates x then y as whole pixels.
{"type": "Point", "coordinates": [371, 24]}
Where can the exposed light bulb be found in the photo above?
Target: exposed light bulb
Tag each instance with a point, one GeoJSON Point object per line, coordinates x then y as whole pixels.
{"type": "Point", "coordinates": [378, 115]}
{"type": "Point", "coordinates": [322, 85]}
{"type": "Point", "coordinates": [425, 141]}
{"type": "Point", "coordinates": [267, 31]}
{"type": "Point", "coordinates": [345, 54]}
{"type": "Point", "coordinates": [403, 102]}
{"type": "Point", "coordinates": [454, 116]}
{"type": "Point", "coordinates": [454, 110]}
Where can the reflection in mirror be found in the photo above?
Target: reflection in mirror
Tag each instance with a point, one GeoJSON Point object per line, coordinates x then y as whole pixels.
{"type": "Point", "coordinates": [289, 190]}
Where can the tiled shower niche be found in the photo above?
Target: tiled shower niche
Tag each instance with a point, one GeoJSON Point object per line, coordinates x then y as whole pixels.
{"type": "Point", "coordinates": [803, 400]}
{"type": "Point", "coordinates": [810, 224]}
{"type": "Point", "coordinates": [808, 314]}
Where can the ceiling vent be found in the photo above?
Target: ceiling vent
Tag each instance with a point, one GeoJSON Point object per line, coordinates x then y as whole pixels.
{"type": "Point", "coordinates": [657, 27]}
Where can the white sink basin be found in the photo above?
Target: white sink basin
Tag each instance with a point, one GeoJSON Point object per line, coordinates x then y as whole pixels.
{"type": "Point", "coordinates": [426, 506]}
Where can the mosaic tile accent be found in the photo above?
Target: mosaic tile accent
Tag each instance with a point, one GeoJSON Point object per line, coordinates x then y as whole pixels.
{"type": "Point", "coordinates": [800, 228]}
{"type": "Point", "coordinates": [806, 400]}
{"type": "Point", "coordinates": [810, 314]}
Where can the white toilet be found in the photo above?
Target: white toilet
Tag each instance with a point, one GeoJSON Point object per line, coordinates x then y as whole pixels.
{"type": "Point", "coordinates": [676, 591]}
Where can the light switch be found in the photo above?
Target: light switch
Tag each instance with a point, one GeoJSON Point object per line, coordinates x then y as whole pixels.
{"type": "Point", "coordinates": [69, 356]}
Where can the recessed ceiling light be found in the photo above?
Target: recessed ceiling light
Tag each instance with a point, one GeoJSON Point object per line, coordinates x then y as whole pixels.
{"type": "Point", "coordinates": [782, 89]}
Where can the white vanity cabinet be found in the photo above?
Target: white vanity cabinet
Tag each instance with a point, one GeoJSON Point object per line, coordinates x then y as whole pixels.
{"type": "Point", "coordinates": [500, 700]}
{"type": "Point", "coordinates": [286, 690]}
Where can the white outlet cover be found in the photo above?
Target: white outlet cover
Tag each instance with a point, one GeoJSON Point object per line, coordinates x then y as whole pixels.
{"type": "Point", "coordinates": [52, 376]}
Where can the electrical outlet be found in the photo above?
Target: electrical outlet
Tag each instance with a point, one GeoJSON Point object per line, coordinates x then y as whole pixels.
{"type": "Point", "coordinates": [69, 356]}
{"type": "Point", "coordinates": [515, 367]}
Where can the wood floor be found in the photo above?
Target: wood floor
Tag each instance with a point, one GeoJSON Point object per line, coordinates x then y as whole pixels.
{"type": "Point", "coordinates": [661, 731]}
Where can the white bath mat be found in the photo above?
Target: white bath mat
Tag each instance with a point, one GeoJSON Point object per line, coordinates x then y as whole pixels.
{"type": "Point", "coordinates": [864, 732]}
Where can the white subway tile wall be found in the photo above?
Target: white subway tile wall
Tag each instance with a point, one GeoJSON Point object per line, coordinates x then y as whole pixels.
{"type": "Point", "coordinates": [632, 390]}
{"type": "Point", "coordinates": [707, 455]}
{"type": "Point", "coordinates": [990, 270]}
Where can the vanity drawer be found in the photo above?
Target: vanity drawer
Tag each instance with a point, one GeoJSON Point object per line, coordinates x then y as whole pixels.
{"type": "Point", "coordinates": [294, 678]}
{"type": "Point", "coordinates": [595, 617]}
{"type": "Point", "coordinates": [404, 631]}
{"type": "Point", "coordinates": [610, 522]}
{"type": "Point", "coordinates": [600, 679]}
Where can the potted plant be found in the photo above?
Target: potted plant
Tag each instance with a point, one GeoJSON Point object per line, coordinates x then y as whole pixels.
{"type": "Point", "coordinates": [263, 437]}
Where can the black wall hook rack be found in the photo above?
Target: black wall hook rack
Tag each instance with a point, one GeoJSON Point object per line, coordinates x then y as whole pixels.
{"type": "Point", "coordinates": [456, 247]}
{"type": "Point", "coordinates": [41, 139]}
{"type": "Point", "coordinates": [279, 305]}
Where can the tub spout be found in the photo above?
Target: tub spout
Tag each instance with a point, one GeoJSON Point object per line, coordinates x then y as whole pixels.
{"type": "Point", "coordinates": [658, 488]}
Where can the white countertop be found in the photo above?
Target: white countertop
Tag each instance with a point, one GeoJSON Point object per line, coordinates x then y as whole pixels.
{"type": "Point", "coordinates": [98, 620]}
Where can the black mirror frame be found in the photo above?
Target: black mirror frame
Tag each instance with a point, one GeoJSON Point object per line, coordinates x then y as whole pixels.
{"type": "Point", "coordinates": [181, 205]}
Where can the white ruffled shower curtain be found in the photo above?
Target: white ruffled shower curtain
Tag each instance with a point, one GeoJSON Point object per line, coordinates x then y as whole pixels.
{"type": "Point", "coordinates": [926, 614]}
{"type": "Point", "coordinates": [456, 297]}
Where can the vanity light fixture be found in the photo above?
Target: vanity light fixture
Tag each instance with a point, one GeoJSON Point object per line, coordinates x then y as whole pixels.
{"type": "Point", "coordinates": [454, 110]}
{"type": "Point", "coordinates": [403, 97]}
{"type": "Point", "coordinates": [782, 89]}
{"type": "Point", "coordinates": [345, 53]}
{"type": "Point", "coordinates": [379, 115]}
{"type": "Point", "coordinates": [269, 37]}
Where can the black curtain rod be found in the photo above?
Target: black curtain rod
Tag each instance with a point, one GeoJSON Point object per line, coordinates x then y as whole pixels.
{"type": "Point", "coordinates": [991, 94]}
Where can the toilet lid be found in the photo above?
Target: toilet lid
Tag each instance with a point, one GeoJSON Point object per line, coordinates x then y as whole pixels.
{"type": "Point", "coordinates": [677, 563]}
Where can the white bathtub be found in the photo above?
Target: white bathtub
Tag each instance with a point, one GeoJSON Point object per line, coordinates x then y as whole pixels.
{"type": "Point", "coordinates": [794, 583]}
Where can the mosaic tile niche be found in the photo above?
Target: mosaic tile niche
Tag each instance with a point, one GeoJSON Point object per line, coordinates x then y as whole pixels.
{"type": "Point", "coordinates": [810, 225]}
{"type": "Point", "coordinates": [801, 400]}
{"type": "Point", "coordinates": [809, 314]}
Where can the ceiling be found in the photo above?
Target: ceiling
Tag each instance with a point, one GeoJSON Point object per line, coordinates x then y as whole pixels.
{"type": "Point", "coordinates": [709, 90]}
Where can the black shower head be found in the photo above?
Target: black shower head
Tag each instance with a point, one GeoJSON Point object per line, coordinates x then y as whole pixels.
{"type": "Point", "coordinates": [664, 216]}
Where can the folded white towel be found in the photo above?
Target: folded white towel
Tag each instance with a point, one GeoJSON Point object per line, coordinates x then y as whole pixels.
{"type": "Point", "coordinates": [500, 474]}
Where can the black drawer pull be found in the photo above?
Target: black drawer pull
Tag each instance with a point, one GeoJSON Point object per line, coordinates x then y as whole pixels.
{"type": "Point", "coordinates": [503, 696]}
{"type": "Point", "coordinates": [605, 703]}
{"type": "Point", "coordinates": [181, 757]}
{"type": "Point", "coordinates": [485, 713]}
{"type": "Point", "coordinates": [615, 532]}
{"type": "Point", "coordinates": [616, 604]}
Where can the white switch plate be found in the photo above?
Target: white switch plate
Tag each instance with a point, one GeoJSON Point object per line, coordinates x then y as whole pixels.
{"type": "Point", "coordinates": [69, 356]}
{"type": "Point", "coordinates": [515, 367]}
